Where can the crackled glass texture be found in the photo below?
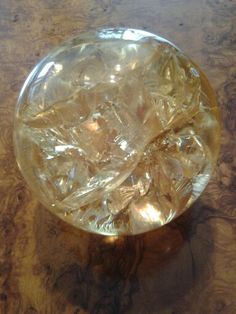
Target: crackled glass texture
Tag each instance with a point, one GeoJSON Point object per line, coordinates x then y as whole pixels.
{"type": "Point", "coordinates": [116, 131]}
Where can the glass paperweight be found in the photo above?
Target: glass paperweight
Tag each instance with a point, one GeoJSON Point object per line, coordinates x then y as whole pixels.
{"type": "Point", "coordinates": [116, 131]}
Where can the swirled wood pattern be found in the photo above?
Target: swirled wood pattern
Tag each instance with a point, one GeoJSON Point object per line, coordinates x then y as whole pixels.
{"type": "Point", "coordinates": [189, 266]}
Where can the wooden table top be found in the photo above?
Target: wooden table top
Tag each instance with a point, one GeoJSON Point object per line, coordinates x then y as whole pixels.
{"type": "Point", "coordinates": [189, 266]}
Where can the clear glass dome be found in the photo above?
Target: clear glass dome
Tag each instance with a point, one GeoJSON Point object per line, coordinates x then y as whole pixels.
{"type": "Point", "coordinates": [116, 131]}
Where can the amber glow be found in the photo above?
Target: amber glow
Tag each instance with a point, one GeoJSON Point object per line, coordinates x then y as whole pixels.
{"type": "Point", "coordinates": [110, 240]}
{"type": "Point", "coordinates": [92, 126]}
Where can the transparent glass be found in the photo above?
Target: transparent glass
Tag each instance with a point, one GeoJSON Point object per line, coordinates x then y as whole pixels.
{"type": "Point", "coordinates": [116, 131]}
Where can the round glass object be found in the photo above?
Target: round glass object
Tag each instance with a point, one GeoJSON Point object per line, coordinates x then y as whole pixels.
{"type": "Point", "coordinates": [116, 131]}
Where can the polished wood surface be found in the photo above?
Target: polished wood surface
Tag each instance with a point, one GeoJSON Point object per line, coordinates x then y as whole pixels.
{"type": "Point", "coordinates": [189, 266]}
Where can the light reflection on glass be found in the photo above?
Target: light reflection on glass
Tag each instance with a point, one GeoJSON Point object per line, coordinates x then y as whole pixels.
{"type": "Point", "coordinates": [112, 78]}
{"type": "Point", "coordinates": [62, 148]}
{"type": "Point", "coordinates": [118, 67]}
{"type": "Point", "coordinates": [149, 213]}
{"type": "Point", "coordinates": [57, 67]}
{"type": "Point", "coordinates": [86, 78]}
{"type": "Point", "coordinates": [133, 47]}
{"type": "Point", "coordinates": [123, 145]}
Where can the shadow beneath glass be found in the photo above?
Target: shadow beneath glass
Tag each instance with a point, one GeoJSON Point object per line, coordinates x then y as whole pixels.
{"type": "Point", "coordinates": [143, 274]}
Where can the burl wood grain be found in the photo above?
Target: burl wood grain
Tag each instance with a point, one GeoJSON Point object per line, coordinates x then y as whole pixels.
{"type": "Point", "coordinates": [189, 266]}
